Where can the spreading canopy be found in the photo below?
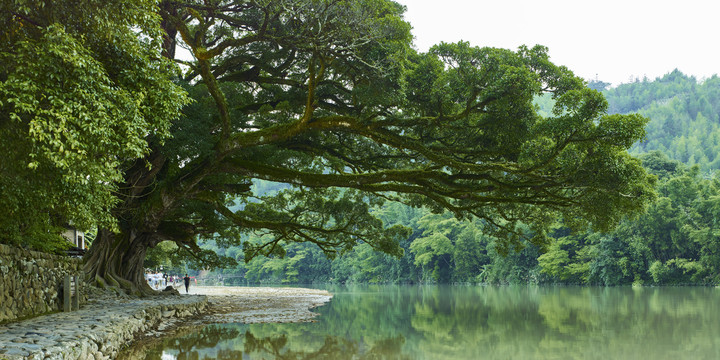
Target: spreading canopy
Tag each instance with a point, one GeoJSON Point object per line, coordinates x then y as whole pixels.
{"type": "Point", "coordinates": [325, 96]}
{"type": "Point", "coordinates": [329, 97]}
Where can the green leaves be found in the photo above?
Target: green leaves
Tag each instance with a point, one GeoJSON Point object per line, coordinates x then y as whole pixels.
{"type": "Point", "coordinates": [327, 97]}
{"type": "Point", "coordinates": [81, 93]}
{"type": "Point", "coordinates": [325, 102]}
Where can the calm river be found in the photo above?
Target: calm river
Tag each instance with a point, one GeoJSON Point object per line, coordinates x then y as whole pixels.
{"type": "Point", "coordinates": [477, 322]}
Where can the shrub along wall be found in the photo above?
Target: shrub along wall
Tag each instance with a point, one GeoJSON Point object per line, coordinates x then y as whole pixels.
{"type": "Point", "coordinates": [31, 282]}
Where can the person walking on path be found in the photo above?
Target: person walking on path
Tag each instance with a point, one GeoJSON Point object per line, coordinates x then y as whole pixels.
{"type": "Point", "coordinates": [187, 283]}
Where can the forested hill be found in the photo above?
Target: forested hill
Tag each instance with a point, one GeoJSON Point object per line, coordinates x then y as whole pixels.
{"type": "Point", "coordinates": [684, 116]}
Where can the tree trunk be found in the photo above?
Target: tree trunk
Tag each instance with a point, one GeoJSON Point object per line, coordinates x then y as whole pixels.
{"type": "Point", "coordinates": [116, 260]}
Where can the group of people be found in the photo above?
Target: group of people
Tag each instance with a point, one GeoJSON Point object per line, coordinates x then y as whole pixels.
{"type": "Point", "coordinates": [158, 280]}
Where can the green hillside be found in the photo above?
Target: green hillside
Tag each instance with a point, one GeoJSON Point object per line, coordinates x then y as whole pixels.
{"type": "Point", "coordinates": [684, 116]}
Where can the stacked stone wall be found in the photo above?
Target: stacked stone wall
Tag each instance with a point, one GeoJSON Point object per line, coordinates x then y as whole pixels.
{"type": "Point", "coordinates": [31, 282]}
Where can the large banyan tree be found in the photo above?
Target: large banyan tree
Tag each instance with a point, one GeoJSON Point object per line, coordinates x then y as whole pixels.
{"type": "Point", "coordinates": [330, 98]}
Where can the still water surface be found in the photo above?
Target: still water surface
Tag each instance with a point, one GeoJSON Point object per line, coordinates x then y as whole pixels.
{"type": "Point", "coordinates": [476, 322]}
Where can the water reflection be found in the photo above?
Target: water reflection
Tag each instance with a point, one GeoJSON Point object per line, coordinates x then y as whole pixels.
{"type": "Point", "coordinates": [225, 342]}
{"type": "Point", "coordinates": [333, 348]}
{"type": "Point", "coordinates": [396, 322]}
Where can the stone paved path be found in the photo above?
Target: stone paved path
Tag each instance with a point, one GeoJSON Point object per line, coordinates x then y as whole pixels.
{"type": "Point", "coordinates": [98, 330]}
{"type": "Point", "coordinates": [104, 326]}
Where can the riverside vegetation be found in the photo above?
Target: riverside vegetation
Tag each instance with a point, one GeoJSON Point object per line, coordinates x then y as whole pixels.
{"type": "Point", "coordinates": [676, 241]}
{"type": "Point", "coordinates": [104, 126]}
{"type": "Point", "coordinates": [312, 137]}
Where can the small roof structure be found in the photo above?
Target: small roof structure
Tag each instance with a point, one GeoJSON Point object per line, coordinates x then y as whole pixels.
{"type": "Point", "coordinates": [75, 236]}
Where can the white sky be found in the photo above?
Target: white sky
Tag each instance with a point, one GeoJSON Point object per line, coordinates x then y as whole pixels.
{"type": "Point", "coordinates": [613, 39]}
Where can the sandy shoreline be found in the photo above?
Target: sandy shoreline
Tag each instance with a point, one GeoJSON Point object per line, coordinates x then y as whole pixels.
{"type": "Point", "coordinates": [259, 304]}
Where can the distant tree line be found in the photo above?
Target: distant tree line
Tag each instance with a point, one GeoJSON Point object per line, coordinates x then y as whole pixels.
{"type": "Point", "coordinates": [684, 116]}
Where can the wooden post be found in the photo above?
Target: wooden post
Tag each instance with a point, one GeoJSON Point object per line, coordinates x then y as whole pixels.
{"type": "Point", "coordinates": [66, 293]}
{"type": "Point", "coordinates": [71, 293]}
{"type": "Point", "coordinates": [76, 293]}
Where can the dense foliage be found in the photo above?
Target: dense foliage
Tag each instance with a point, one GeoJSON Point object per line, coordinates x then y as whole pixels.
{"type": "Point", "coordinates": [677, 241]}
{"type": "Point", "coordinates": [82, 84]}
{"type": "Point", "coordinates": [330, 99]}
{"type": "Point", "coordinates": [327, 97]}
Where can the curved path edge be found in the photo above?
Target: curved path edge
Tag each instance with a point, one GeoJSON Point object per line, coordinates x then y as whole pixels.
{"type": "Point", "coordinates": [99, 330]}
{"type": "Point", "coordinates": [109, 324]}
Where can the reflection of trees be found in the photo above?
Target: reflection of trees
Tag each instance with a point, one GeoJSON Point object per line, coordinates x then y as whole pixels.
{"type": "Point", "coordinates": [635, 322]}
{"type": "Point", "coordinates": [187, 342]}
{"type": "Point", "coordinates": [475, 322]}
{"type": "Point", "coordinates": [207, 338]}
{"type": "Point", "coordinates": [489, 322]}
{"type": "Point", "coordinates": [566, 322]}
{"type": "Point", "coordinates": [226, 342]}
{"type": "Point", "coordinates": [334, 348]}
{"type": "Point", "coordinates": [563, 322]}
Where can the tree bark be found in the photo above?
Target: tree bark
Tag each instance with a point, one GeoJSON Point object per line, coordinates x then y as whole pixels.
{"type": "Point", "coordinates": [116, 260]}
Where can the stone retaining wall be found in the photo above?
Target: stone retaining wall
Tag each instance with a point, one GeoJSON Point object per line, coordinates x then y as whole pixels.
{"type": "Point", "coordinates": [31, 282]}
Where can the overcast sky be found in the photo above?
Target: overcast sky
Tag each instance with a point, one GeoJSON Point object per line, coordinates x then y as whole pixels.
{"type": "Point", "coordinates": [610, 39]}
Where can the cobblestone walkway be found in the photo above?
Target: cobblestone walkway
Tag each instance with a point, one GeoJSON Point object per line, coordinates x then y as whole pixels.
{"type": "Point", "coordinates": [97, 331]}
{"type": "Point", "coordinates": [101, 328]}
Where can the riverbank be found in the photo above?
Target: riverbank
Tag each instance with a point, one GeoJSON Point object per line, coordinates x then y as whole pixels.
{"type": "Point", "coordinates": [107, 324]}
{"type": "Point", "coordinates": [251, 305]}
